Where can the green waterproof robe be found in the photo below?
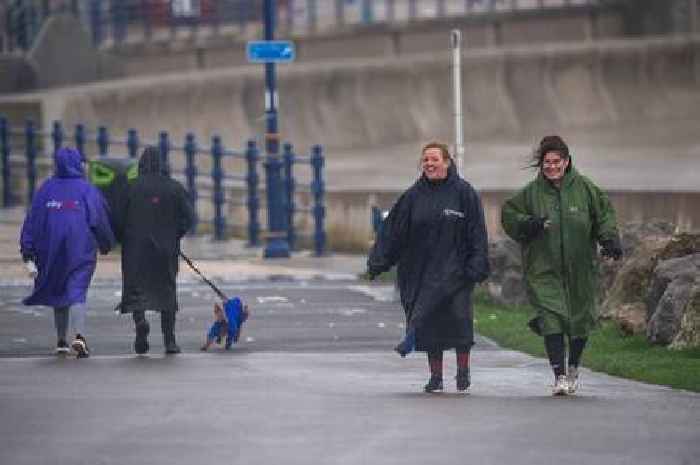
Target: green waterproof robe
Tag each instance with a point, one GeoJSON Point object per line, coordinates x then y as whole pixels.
{"type": "Point", "coordinates": [560, 265]}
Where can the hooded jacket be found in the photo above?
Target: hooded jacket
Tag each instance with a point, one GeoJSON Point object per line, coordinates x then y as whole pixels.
{"type": "Point", "coordinates": [156, 215]}
{"type": "Point", "coordinates": [436, 234]}
{"type": "Point", "coordinates": [66, 224]}
{"type": "Point", "coordinates": [560, 264]}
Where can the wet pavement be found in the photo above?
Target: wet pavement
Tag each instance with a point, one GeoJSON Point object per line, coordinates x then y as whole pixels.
{"type": "Point", "coordinates": [312, 380]}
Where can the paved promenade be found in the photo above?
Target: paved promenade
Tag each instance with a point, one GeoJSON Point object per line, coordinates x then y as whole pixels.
{"type": "Point", "coordinates": [312, 381]}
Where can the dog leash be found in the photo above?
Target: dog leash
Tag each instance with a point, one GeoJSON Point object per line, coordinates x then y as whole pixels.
{"type": "Point", "coordinates": [223, 296]}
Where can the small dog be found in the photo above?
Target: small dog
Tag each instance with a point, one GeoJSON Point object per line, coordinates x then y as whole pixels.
{"type": "Point", "coordinates": [228, 321]}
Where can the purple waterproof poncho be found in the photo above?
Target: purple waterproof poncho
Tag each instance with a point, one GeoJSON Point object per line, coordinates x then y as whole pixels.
{"type": "Point", "coordinates": [67, 222]}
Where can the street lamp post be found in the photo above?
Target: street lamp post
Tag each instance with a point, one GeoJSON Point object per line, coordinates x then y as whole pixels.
{"type": "Point", "coordinates": [276, 241]}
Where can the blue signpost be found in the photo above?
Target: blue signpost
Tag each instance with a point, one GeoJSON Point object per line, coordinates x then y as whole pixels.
{"type": "Point", "coordinates": [270, 52]}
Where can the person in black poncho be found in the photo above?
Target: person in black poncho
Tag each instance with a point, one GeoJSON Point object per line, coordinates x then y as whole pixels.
{"type": "Point", "coordinates": [436, 235]}
{"type": "Point", "coordinates": [156, 215]}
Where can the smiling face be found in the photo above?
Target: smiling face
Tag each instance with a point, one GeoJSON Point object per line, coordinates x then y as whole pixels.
{"type": "Point", "coordinates": [434, 164]}
{"type": "Point", "coordinates": [554, 165]}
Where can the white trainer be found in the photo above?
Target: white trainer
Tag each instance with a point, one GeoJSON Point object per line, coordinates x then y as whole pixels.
{"type": "Point", "coordinates": [561, 386]}
{"type": "Point", "coordinates": [572, 380]}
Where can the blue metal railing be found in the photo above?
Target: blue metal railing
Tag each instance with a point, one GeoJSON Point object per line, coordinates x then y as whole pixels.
{"type": "Point", "coordinates": [31, 141]}
{"type": "Point", "coordinates": [113, 22]}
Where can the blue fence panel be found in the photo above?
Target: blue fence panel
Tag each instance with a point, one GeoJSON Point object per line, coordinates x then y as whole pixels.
{"type": "Point", "coordinates": [190, 151]}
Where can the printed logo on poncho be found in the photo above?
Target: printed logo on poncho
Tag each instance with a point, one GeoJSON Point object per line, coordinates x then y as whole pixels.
{"type": "Point", "coordinates": [155, 200]}
{"type": "Point", "coordinates": [449, 212]}
{"type": "Point", "coordinates": [62, 204]}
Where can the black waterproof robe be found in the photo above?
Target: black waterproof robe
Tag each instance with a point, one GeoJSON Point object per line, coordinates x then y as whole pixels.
{"type": "Point", "coordinates": [156, 215]}
{"type": "Point", "coordinates": [436, 234]}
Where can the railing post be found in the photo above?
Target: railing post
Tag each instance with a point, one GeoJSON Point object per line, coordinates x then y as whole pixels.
{"type": "Point", "coordinates": [390, 11]}
{"type": "Point", "coordinates": [132, 143]}
{"type": "Point", "coordinates": [289, 185]}
{"type": "Point", "coordinates": [146, 12]}
{"type": "Point", "coordinates": [191, 175]}
{"type": "Point", "coordinates": [164, 149]}
{"type": "Point", "coordinates": [217, 152]}
{"type": "Point", "coordinates": [312, 15]}
{"type": "Point", "coordinates": [102, 141]}
{"type": "Point", "coordinates": [6, 169]}
{"type": "Point", "coordinates": [30, 151]}
{"type": "Point", "coordinates": [119, 20]}
{"type": "Point", "coordinates": [253, 179]}
{"type": "Point", "coordinates": [412, 10]}
{"type": "Point", "coordinates": [318, 191]}
{"type": "Point", "coordinates": [340, 12]}
{"type": "Point", "coordinates": [96, 22]}
{"type": "Point", "coordinates": [440, 8]}
{"type": "Point", "coordinates": [80, 139]}
{"type": "Point", "coordinates": [57, 136]}
{"type": "Point", "coordinates": [367, 11]}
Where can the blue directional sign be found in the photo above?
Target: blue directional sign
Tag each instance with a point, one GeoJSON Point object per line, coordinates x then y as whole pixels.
{"type": "Point", "coordinates": [270, 51]}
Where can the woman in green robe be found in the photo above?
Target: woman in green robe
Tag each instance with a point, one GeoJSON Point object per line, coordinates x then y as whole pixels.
{"type": "Point", "coordinates": [559, 219]}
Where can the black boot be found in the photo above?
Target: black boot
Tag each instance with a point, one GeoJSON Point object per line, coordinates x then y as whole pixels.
{"type": "Point", "coordinates": [142, 329]}
{"type": "Point", "coordinates": [167, 325]}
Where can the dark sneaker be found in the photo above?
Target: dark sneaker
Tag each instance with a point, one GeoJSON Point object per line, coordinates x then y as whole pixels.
{"type": "Point", "coordinates": [463, 380]}
{"type": "Point", "coordinates": [62, 347]}
{"type": "Point", "coordinates": [434, 385]}
{"type": "Point", "coordinates": [141, 341]}
{"type": "Point", "coordinates": [172, 348]}
{"type": "Point", "coordinates": [80, 347]}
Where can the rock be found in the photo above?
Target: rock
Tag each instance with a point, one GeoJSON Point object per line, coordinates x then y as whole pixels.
{"type": "Point", "coordinates": [632, 234]}
{"type": "Point", "coordinates": [632, 318]}
{"type": "Point", "coordinates": [689, 333]}
{"type": "Point", "coordinates": [631, 282]}
{"type": "Point", "coordinates": [505, 285]}
{"type": "Point", "coordinates": [670, 297]}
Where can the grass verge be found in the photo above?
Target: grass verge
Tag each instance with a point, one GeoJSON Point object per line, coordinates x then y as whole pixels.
{"type": "Point", "coordinates": [608, 350]}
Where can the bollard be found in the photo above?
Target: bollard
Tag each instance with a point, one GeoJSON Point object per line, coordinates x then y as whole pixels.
{"type": "Point", "coordinates": [30, 152]}
{"type": "Point", "coordinates": [191, 175]}
{"type": "Point", "coordinates": [252, 179]}
{"type": "Point", "coordinates": [288, 158]}
{"type": "Point", "coordinates": [57, 136]}
{"type": "Point", "coordinates": [217, 152]}
{"type": "Point", "coordinates": [80, 140]}
{"type": "Point", "coordinates": [102, 141]}
{"type": "Point", "coordinates": [164, 150]}
{"type": "Point", "coordinates": [132, 143]}
{"type": "Point", "coordinates": [5, 154]}
{"type": "Point", "coordinates": [318, 190]}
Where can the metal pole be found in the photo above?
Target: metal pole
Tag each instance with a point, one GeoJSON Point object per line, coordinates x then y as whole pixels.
{"type": "Point", "coordinates": [277, 245]}
{"type": "Point", "coordinates": [456, 44]}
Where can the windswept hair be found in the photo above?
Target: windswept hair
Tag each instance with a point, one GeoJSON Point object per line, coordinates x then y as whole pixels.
{"type": "Point", "coordinates": [549, 144]}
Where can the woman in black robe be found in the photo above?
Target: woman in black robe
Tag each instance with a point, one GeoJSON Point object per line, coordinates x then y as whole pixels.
{"type": "Point", "coordinates": [156, 215]}
{"type": "Point", "coordinates": [436, 234]}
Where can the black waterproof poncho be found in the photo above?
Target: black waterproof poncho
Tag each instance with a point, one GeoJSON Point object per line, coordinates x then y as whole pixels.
{"type": "Point", "coordinates": [156, 216]}
{"type": "Point", "coordinates": [436, 234]}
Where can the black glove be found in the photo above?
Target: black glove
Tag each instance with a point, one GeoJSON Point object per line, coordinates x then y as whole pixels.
{"type": "Point", "coordinates": [533, 227]}
{"type": "Point", "coordinates": [27, 256]}
{"type": "Point", "coordinates": [611, 248]}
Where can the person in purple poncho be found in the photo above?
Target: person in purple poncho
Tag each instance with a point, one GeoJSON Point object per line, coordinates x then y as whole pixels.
{"type": "Point", "coordinates": [67, 223]}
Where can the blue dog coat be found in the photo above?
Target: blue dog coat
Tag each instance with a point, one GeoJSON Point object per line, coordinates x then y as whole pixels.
{"type": "Point", "coordinates": [235, 317]}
